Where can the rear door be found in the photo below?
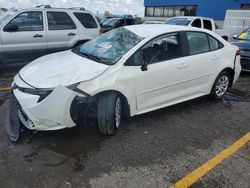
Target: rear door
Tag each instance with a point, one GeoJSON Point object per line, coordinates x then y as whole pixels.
{"type": "Point", "coordinates": [204, 55]}
{"type": "Point", "coordinates": [62, 32]}
{"type": "Point", "coordinates": [28, 41]}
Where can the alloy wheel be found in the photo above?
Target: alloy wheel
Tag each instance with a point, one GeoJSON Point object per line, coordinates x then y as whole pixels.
{"type": "Point", "coordinates": [222, 86]}
{"type": "Point", "coordinates": [118, 112]}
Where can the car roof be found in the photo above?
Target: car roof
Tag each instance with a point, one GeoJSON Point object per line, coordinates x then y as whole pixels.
{"type": "Point", "coordinates": [192, 17]}
{"type": "Point", "coordinates": [152, 30]}
{"type": "Point", "coordinates": [53, 9]}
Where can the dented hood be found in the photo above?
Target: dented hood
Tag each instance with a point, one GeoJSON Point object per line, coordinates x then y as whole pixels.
{"type": "Point", "coordinates": [63, 68]}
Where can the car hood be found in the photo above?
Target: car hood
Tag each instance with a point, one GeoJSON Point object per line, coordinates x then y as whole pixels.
{"type": "Point", "coordinates": [242, 44]}
{"type": "Point", "coordinates": [63, 68]}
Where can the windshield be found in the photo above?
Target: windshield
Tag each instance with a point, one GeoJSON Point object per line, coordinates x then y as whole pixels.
{"type": "Point", "coordinates": [4, 17]}
{"type": "Point", "coordinates": [110, 22]}
{"type": "Point", "coordinates": [245, 35]}
{"type": "Point", "coordinates": [110, 47]}
{"type": "Point", "coordinates": [178, 21]}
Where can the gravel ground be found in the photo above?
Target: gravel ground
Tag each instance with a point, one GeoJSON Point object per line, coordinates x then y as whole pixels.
{"type": "Point", "coordinates": [151, 150]}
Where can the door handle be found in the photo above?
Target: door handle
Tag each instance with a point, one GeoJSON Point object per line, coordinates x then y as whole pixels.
{"type": "Point", "coordinates": [38, 36]}
{"type": "Point", "coordinates": [71, 34]}
{"type": "Point", "coordinates": [183, 66]}
{"type": "Point", "coordinates": [214, 58]}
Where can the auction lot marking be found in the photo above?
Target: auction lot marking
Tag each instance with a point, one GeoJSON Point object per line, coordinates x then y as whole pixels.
{"type": "Point", "coordinates": [5, 89]}
{"type": "Point", "coordinates": [210, 164]}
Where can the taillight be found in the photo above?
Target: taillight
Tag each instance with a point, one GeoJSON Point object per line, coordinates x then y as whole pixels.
{"type": "Point", "coordinates": [238, 52]}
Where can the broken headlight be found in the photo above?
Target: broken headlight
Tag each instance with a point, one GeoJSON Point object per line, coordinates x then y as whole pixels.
{"type": "Point", "coordinates": [79, 92]}
{"type": "Point", "coordinates": [43, 93]}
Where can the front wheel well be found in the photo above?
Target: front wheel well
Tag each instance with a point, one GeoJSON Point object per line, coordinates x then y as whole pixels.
{"type": "Point", "coordinates": [125, 104]}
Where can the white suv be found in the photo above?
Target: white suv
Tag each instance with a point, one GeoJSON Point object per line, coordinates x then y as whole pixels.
{"type": "Point", "coordinates": [31, 33]}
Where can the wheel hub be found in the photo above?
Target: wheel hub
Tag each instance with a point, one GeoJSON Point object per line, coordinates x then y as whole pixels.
{"type": "Point", "coordinates": [222, 85]}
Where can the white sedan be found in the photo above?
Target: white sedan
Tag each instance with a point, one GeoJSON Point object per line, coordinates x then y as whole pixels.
{"type": "Point", "coordinates": [127, 71]}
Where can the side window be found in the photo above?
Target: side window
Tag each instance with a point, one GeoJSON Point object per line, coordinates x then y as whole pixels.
{"type": "Point", "coordinates": [214, 44]}
{"type": "Point", "coordinates": [135, 59]}
{"type": "Point", "coordinates": [207, 25]}
{"type": "Point", "coordinates": [86, 20]}
{"type": "Point", "coordinates": [162, 49]}
{"type": "Point", "coordinates": [197, 23]}
{"type": "Point", "coordinates": [120, 23]}
{"type": "Point", "coordinates": [198, 42]}
{"type": "Point", "coordinates": [60, 21]}
{"type": "Point", "coordinates": [28, 21]}
{"type": "Point", "coordinates": [129, 21]}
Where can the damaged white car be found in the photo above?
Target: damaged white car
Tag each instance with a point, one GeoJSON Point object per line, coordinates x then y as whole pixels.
{"type": "Point", "coordinates": [128, 71]}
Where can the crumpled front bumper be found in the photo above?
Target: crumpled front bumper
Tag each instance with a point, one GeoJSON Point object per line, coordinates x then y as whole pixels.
{"type": "Point", "coordinates": [54, 112]}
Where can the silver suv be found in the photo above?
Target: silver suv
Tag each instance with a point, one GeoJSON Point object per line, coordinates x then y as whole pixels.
{"type": "Point", "coordinates": [31, 33]}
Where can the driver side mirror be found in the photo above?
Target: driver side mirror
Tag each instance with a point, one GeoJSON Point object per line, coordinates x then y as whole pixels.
{"type": "Point", "coordinates": [144, 66]}
{"type": "Point", "coordinates": [145, 61]}
{"type": "Point", "coordinates": [234, 36]}
{"type": "Point", "coordinates": [11, 28]}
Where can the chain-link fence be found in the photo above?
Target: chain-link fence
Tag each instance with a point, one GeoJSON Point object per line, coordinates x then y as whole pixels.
{"type": "Point", "coordinates": [237, 21]}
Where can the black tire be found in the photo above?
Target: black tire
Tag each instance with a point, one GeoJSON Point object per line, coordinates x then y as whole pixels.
{"type": "Point", "coordinates": [214, 94]}
{"type": "Point", "coordinates": [106, 113]}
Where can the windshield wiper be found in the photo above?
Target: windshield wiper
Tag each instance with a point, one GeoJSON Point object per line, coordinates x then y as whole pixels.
{"type": "Point", "coordinates": [92, 57]}
{"type": "Point", "coordinates": [89, 56]}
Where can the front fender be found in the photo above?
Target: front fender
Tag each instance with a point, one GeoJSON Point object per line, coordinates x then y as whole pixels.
{"type": "Point", "coordinates": [111, 82]}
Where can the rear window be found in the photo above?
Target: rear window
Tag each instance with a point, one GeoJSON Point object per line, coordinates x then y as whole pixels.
{"type": "Point", "coordinates": [197, 23]}
{"type": "Point", "coordinates": [60, 21]}
{"type": "Point", "coordinates": [207, 24]}
{"type": "Point", "coordinates": [86, 20]}
{"type": "Point", "coordinates": [198, 42]}
{"type": "Point", "coordinates": [129, 21]}
{"type": "Point", "coordinates": [214, 43]}
{"type": "Point", "coordinates": [178, 21]}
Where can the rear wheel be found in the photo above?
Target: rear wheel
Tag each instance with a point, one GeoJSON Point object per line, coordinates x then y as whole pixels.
{"type": "Point", "coordinates": [221, 85]}
{"type": "Point", "coordinates": [109, 113]}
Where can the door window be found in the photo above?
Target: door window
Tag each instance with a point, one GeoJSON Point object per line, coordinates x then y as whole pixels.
{"type": "Point", "coordinates": [129, 21]}
{"type": "Point", "coordinates": [120, 23]}
{"type": "Point", "coordinates": [163, 49]}
{"type": "Point", "coordinates": [60, 21]}
{"type": "Point", "coordinates": [207, 24]}
{"type": "Point", "coordinates": [198, 42]}
{"type": "Point", "coordinates": [214, 44]}
{"type": "Point", "coordinates": [28, 21]}
{"type": "Point", "coordinates": [86, 20]}
{"type": "Point", "coordinates": [197, 23]}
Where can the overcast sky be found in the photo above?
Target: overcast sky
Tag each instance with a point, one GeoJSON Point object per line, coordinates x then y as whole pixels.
{"type": "Point", "coordinates": [114, 6]}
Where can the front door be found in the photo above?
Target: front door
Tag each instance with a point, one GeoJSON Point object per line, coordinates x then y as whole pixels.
{"type": "Point", "coordinates": [163, 83]}
{"type": "Point", "coordinates": [26, 40]}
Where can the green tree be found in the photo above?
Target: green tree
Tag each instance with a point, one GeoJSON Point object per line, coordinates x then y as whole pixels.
{"type": "Point", "coordinates": [106, 13]}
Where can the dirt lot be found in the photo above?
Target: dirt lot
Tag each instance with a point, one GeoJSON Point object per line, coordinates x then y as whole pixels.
{"type": "Point", "coordinates": [152, 150]}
